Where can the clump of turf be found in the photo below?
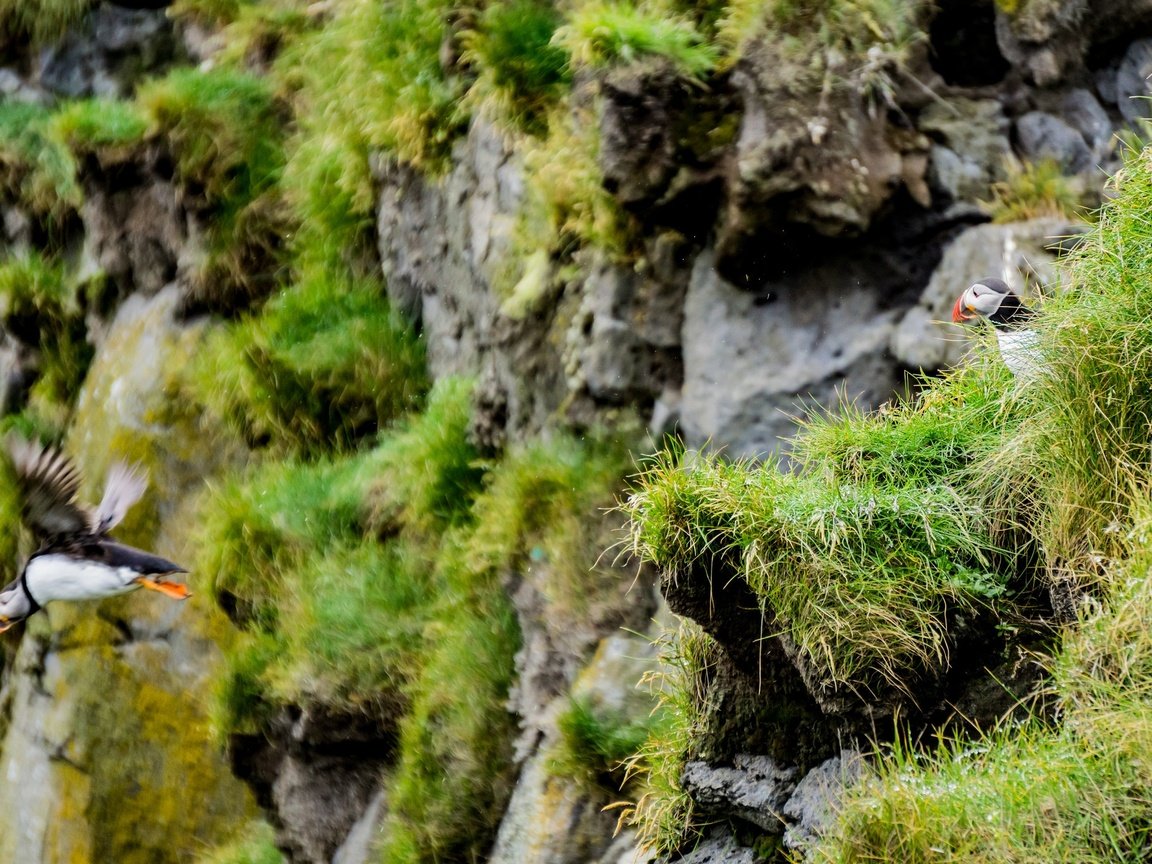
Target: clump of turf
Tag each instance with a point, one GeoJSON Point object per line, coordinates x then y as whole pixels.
{"type": "Point", "coordinates": [607, 33]}
{"type": "Point", "coordinates": [36, 171]}
{"type": "Point", "coordinates": [39, 306]}
{"type": "Point", "coordinates": [319, 367]}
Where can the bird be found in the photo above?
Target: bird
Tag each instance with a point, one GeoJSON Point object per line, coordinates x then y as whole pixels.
{"type": "Point", "coordinates": [994, 301]}
{"type": "Point", "coordinates": [77, 560]}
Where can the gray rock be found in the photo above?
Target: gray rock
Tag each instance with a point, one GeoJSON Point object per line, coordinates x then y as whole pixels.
{"type": "Point", "coordinates": [753, 789]}
{"type": "Point", "coordinates": [720, 847]}
{"type": "Point", "coordinates": [752, 364]}
{"type": "Point", "coordinates": [926, 339]}
{"type": "Point", "coordinates": [357, 846]}
{"type": "Point", "coordinates": [816, 799]}
{"type": "Point", "coordinates": [108, 52]}
{"type": "Point", "coordinates": [1045, 41]}
{"type": "Point", "coordinates": [971, 146]}
{"type": "Point", "coordinates": [137, 234]}
{"type": "Point", "coordinates": [625, 340]}
{"type": "Point", "coordinates": [1132, 81]}
{"type": "Point", "coordinates": [550, 820]}
{"type": "Point", "coordinates": [1087, 116]}
{"type": "Point", "coordinates": [1045, 136]}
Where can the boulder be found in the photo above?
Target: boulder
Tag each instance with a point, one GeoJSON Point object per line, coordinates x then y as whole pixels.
{"type": "Point", "coordinates": [815, 801]}
{"type": "Point", "coordinates": [753, 789]}
{"type": "Point", "coordinates": [754, 363]}
{"type": "Point", "coordinates": [1133, 86]}
{"type": "Point", "coordinates": [1044, 136]}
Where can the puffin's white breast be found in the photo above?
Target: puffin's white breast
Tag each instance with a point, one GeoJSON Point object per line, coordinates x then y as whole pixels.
{"type": "Point", "coordinates": [1021, 352]}
{"type": "Point", "coordinates": [60, 577]}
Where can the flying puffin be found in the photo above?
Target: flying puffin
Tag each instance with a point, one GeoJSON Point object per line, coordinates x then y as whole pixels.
{"type": "Point", "coordinates": [77, 560]}
{"type": "Point", "coordinates": [993, 300]}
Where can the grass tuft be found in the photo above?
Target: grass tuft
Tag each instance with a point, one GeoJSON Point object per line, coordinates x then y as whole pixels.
{"type": "Point", "coordinates": [861, 575]}
{"type": "Point", "coordinates": [663, 813]}
{"type": "Point", "coordinates": [522, 73]}
{"type": "Point", "coordinates": [39, 21]}
{"type": "Point", "coordinates": [36, 172]}
{"type": "Point", "coordinates": [596, 745]}
{"type": "Point", "coordinates": [257, 845]}
{"type": "Point", "coordinates": [39, 306]}
{"type": "Point", "coordinates": [1037, 190]}
{"type": "Point", "coordinates": [602, 34]}
{"type": "Point", "coordinates": [322, 365]}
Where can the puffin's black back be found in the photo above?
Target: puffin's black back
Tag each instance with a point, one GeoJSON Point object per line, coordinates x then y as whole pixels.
{"type": "Point", "coordinates": [1012, 313]}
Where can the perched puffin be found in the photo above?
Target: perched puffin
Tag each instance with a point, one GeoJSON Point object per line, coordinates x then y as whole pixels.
{"type": "Point", "coordinates": [993, 300]}
{"type": "Point", "coordinates": [77, 560]}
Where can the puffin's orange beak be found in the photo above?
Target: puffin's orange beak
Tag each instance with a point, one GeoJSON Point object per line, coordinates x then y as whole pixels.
{"type": "Point", "coordinates": [959, 315]}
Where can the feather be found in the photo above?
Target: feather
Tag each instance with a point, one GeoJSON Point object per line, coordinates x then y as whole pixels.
{"type": "Point", "coordinates": [124, 488]}
{"type": "Point", "coordinates": [49, 482]}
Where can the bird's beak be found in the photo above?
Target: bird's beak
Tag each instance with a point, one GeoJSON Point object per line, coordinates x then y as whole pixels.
{"type": "Point", "coordinates": [959, 314]}
{"type": "Point", "coordinates": [6, 623]}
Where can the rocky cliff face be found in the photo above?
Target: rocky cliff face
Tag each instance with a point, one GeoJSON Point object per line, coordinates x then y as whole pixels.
{"type": "Point", "coordinates": [797, 243]}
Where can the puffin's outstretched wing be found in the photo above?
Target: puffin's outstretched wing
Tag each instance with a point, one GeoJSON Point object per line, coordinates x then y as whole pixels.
{"type": "Point", "coordinates": [49, 482]}
{"type": "Point", "coordinates": [124, 488]}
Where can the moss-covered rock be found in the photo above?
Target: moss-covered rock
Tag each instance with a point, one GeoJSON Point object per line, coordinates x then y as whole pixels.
{"type": "Point", "coordinates": [109, 728]}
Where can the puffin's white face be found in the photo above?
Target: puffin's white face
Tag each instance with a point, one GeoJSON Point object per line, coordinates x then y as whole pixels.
{"type": "Point", "coordinates": [14, 608]}
{"type": "Point", "coordinates": [977, 299]}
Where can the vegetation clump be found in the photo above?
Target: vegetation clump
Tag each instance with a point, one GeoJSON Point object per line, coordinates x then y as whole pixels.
{"type": "Point", "coordinates": [35, 170]}
{"type": "Point", "coordinates": [320, 366]}
{"type": "Point", "coordinates": [1036, 190]}
{"type": "Point", "coordinates": [39, 306]}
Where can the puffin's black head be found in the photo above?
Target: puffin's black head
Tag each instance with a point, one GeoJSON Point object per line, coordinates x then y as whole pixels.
{"type": "Point", "coordinates": [992, 299]}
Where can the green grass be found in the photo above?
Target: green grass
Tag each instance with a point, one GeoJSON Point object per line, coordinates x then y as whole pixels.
{"type": "Point", "coordinates": [427, 472]}
{"type": "Point", "coordinates": [609, 33]}
{"type": "Point", "coordinates": [89, 125]}
{"type": "Point", "coordinates": [597, 745]}
{"type": "Point", "coordinates": [256, 846]}
{"type": "Point", "coordinates": [322, 365]}
{"type": "Point", "coordinates": [663, 813]}
{"type": "Point", "coordinates": [40, 21]}
{"type": "Point", "coordinates": [39, 305]}
{"type": "Point", "coordinates": [454, 773]}
{"type": "Point", "coordinates": [522, 74]}
{"type": "Point", "coordinates": [35, 170]}
{"type": "Point", "coordinates": [1075, 791]}
{"type": "Point", "coordinates": [860, 574]}
{"type": "Point", "coordinates": [1037, 190]}
{"type": "Point", "coordinates": [224, 129]}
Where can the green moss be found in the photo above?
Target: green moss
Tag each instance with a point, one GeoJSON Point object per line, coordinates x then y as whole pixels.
{"type": "Point", "coordinates": [322, 365]}
{"type": "Point", "coordinates": [35, 170]}
{"type": "Point", "coordinates": [151, 755]}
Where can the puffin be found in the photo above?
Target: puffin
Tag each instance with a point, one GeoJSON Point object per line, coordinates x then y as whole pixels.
{"type": "Point", "coordinates": [992, 300]}
{"type": "Point", "coordinates": [77, 560]}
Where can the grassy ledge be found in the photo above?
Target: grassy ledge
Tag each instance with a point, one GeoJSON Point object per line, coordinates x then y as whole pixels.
{"type": "Point", "coordinates": [1054, 469]}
